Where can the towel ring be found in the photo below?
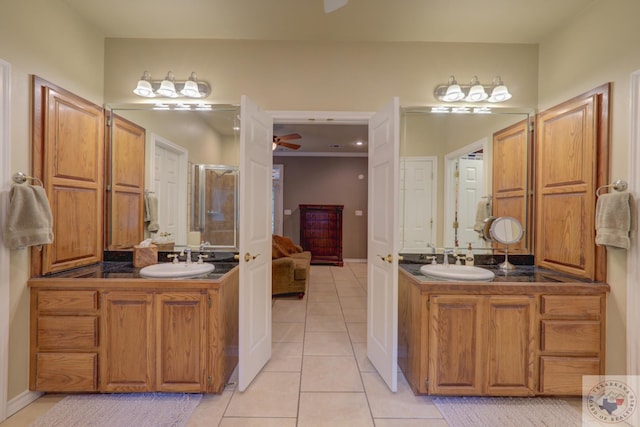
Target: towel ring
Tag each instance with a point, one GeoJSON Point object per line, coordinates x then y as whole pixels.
{"type": "Point", "coordinates": [618, 185]}
{"type": "Point", "coordinates": [21, 178]}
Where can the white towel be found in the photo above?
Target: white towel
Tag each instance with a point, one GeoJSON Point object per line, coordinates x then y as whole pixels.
{"type": "Point", "coordinates": [614, 220]}
{"type": "Point", "coordinates": [151, 213]}
{"type": "Point", "coordinates": [483, 211]}
{"type": "Point", "coordinates": [29, 222]}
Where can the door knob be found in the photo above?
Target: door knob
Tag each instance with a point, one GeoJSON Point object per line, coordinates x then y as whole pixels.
{"type": "Point", "coordinates": [248, 257]}
{"type": "Point", "coordinates": [388, 258]}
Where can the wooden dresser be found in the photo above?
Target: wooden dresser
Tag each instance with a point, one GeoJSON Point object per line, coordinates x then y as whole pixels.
{"type": "Point", "coordinates": [321, 233]}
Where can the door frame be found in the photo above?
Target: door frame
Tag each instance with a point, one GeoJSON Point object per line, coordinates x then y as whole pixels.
{"type": "Point", "coordinates": [633, 269]}
{"type": "Point", "coordinates": [5, 179]}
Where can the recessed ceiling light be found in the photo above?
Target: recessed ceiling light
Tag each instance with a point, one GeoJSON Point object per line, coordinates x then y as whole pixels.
{"type": "Point", "coordinates": [359, 143]}
{"type": "Point", "coordinates": [335, 146]}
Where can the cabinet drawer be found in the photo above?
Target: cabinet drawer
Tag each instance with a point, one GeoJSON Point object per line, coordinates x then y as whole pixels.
{"type": "Point", "coordinates": [66, 372]}
{"type": "Point", "coordinates": [67, 300]}
{"type": "Point", "coordinates": [574, 305]}
{"type": "Point", "coordinates": [67, 332]}
{"type": "Point", "coordinates": [571, 336]}
{"type": "Point", "coordinates": [563, 375]}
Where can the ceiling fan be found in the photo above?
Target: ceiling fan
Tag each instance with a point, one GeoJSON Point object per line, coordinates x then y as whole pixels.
{"type": "Point", "coordinates": [281, 140]}
{"type": "Point", "coordinates": [331, 5]}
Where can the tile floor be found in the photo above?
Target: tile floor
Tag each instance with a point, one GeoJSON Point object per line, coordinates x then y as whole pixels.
{"type": "Point", "coordinates": [318, 374]}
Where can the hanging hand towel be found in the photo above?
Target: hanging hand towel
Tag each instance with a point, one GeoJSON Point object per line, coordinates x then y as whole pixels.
{"type": "Point", "coordinates": [29, 222]}
{"type": "Point", "coordinates": [483, 211]}
{"type": "Point", "coordinates": [613, 220]}
{"type": "Point", "coordinates": [152, 204]}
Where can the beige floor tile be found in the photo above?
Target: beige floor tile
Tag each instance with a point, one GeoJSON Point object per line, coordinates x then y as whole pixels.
{"type": "Point", "coordinates": [327, 344]}
{"type": "Point", "coordinates": [210, 410]}
{"type": "Point", "coordinates": [354, 315]}
{"type": "Point", "coordinates": [324, 309]}
{"type": "Point", "coordinates": [33, 411]}
{"type": "Point", "coordinates": [360, 350]}
{"type": "Point", "coordinates": [289, 311]}
{"type": "Point", "coordinates": [330, 373]}
{"type": "Point", "coordinates": [272, 394]}
{"type": "Point", "coordinates": [351, 291]}
{"type": "Point", "coordinates": [285, 357]}
{"type": "Point", "coordinates": [353, 302]}
{"type": "Point", "coordinates": [331, 296]}
{"type": "Point", "coordinates": [334, 410]}
{"type": "Point", "coordinates": [357, 332]}
{"type": "Point", "coordinates": [402, 404]}
{"type": "Point", "coordinates": [287, 332]}
{"type": "Point", "coordinates": [256, 422]}
{"type": "Point", "coordinates": [326, 324]}
{"type": "Point", "coordinates": [415, 422]}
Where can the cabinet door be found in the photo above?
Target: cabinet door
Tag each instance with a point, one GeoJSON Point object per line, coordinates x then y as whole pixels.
{"type": "Point", "coordinates": [126, 357]}
{"type": "Point", "coordinates": [456, 345]}
{"type": "Point", "coordinates": [510, 352]}
{"type": "Point", "coordinates": [181, 342]}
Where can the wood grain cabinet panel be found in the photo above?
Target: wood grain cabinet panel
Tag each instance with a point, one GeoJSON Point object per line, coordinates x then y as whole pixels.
{"type": "Point", "coordinates": [563, 375]}
{"type": "Point", "coordinates": [66, 372]}
{"type": "Point", "coordinates": [575, 337]}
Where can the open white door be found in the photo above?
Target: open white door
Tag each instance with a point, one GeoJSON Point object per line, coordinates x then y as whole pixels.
{"type": "Point", "coordinates": [256, 130]}
{"type": "Point", "coordinates": [383, 245]}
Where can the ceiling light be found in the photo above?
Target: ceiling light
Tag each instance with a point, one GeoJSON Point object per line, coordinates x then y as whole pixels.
{"type": "Point", "coordinates": [454, 91]}
{"type": "Point", "coordinates": [170, 88]}
{"type": "Point", "coordinates": [476, 91]}
{"type": "Point", "coordinates": [144, 87]}
{"type": "Point", "coordinates": [499, 93]}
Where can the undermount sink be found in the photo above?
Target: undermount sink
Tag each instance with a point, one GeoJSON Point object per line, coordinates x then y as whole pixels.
{"type": "Point", "coordinates": [170, 270]}
{"type": "Point", "coordinates": [457, 272]}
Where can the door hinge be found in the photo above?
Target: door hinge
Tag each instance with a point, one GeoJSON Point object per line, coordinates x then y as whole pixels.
{"type": "Point", "coordinates": [428, 303]}
{"type": "Point", "coordinates": [209, 380]}
{"type": "Point", "coordinates": [209, 302]}
{"type": "Point", "coordinates": [426, 383]}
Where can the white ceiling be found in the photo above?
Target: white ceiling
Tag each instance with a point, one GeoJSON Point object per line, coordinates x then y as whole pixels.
{"type": "Point", "coordinates": [489, 21]}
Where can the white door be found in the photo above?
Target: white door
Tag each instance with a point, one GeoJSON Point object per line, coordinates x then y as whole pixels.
{"type": "Point", "coordinates": [170, 164]}
{"type": "Point", "coordinates": [256, 130]}
{"type": "Point", "coordinates": [418, 192]}
{"type": "Point", "coordinates": [471, 190]}
{"type": "Point", "coordinates": [383, 245]}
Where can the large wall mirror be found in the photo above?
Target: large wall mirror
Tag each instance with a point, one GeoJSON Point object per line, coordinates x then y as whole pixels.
{"type": "Point", "coordinates": [191, 158]}
{"type": "Point", "coordinates": [448, 166]}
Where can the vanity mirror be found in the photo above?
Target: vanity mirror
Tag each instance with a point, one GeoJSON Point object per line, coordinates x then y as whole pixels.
{"type": "Point", "coordinates": [457, 168]}
{"type": "Point", "coordinates": [182, 143]}
{"type": "Point", "coordinates": [508, 231]}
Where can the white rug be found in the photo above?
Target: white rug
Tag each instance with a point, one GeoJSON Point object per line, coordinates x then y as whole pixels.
{"type": "Point", "coordinates": [507, 412]}
{"type": "Point", "coordinates": [121, 410]}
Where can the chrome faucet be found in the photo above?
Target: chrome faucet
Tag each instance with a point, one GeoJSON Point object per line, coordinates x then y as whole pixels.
{"type": "Point", "coordinates": [187, 254]}
{"type": "Point", "coordinates": [445, 256]}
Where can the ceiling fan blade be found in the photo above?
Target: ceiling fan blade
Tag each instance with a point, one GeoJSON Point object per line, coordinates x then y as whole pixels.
{"type": "Point", "coordinates": [288, 137]}
{"type": "Point", "coordinates": [331, 5]}
{"type": "Point", "coordinates": [289, 145]}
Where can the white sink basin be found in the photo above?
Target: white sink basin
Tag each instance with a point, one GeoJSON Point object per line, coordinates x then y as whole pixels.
{"type": "Point", "coordinates": [457, 272]}
{"type": "Point", "coordinates": [169, 270]}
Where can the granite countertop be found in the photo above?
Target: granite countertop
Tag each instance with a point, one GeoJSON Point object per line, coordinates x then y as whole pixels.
{"type": "Point", "coordinates": [126, 270]}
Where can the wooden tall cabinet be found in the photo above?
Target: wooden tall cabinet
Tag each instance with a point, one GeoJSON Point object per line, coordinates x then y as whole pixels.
{"type": "Point", "coordinates": [321, 233]}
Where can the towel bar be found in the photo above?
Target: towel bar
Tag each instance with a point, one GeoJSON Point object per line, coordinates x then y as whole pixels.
{"type": "Point", "coordinates": [618, 185]}
{"type": "Point", "coordinates": [21, 178]}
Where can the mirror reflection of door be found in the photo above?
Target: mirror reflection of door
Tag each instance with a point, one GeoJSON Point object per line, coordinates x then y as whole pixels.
{"type": "Point", "coordinates": [169, 181]}
{"type": "Point", "coordinates": [466, 185]}
{"type": "Point", "coordinates": [418, 199]}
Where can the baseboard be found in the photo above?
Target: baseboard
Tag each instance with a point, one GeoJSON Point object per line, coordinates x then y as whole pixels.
{"type": "Point", "coordinates": [22, 400]}
{"type": "Point", "coordinates": [354, 260]}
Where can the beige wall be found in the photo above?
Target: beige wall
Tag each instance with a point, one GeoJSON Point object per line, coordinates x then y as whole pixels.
{"type": "Point", "coordinates": [41, 37]}
{"type": "Point", "coordinates": [600, 46]}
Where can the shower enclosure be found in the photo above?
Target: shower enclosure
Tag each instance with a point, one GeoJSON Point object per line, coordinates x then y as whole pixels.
{"type": "Point", "coordinates": [215, 206]}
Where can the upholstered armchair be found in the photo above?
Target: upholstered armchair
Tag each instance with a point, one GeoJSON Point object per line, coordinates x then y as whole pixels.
{"type": "Point", "coordinates": [290, 267]}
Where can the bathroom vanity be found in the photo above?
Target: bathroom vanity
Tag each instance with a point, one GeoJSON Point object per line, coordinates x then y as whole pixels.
{"type": "Point", "coordinates": [102, 328]}
{"type": "Point", "coordinates": [528, 332]}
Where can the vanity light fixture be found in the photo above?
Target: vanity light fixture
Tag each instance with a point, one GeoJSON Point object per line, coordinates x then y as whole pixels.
{"type": "Point", "coordinates": [443, 109]}
{"type": "Point", "coordinates": [475, 91]}
{"type": "Point", "coordinates": [169, 87]}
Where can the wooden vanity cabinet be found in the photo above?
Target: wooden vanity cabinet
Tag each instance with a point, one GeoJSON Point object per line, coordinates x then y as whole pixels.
{"type": "Point", "coordinates": [500, 339]}
{"type": "Point", "coordinates": [133, 335]}
{"type": "Point", "coordinates": [481, 345]}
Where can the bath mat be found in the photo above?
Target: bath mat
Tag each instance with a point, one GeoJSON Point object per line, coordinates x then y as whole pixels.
{"type": "Point", "coordinates": [121, 410]}
{"type": "Point", "coordinates": [507, 412]}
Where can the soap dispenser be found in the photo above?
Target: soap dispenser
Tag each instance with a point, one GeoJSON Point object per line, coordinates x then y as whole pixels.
{"type": "Point", "coordinates": [470, 259]}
